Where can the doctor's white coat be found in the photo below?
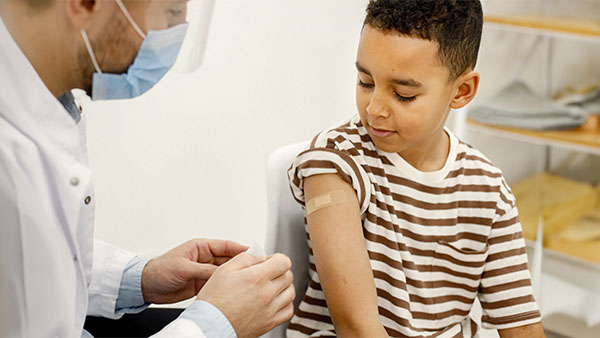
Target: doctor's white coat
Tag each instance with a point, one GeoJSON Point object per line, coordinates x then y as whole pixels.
{"type": "Point", "coordinates": [52, 272]}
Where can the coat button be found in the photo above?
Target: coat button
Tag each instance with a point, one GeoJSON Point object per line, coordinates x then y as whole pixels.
{"type": "Point", "coordinates": [88, 200]}
{"type": "Point", "coordinates": [74, 181]}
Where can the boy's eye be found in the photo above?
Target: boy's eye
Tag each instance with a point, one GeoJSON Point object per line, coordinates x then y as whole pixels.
{"type": "Point", "coordinates": [365, 85]}
{"type": "Point", "coordinates": [405, 98]}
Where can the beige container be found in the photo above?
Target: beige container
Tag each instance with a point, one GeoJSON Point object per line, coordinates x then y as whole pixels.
{"type": "Point", "coordinates": [561, 202]}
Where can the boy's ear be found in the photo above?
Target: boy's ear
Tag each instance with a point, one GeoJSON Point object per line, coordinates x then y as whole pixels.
{"type": "Point", "coordinates": [466, 89]}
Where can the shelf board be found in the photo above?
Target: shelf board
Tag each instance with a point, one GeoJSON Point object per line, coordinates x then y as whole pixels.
{"type": "Point", "coordinates": [585, 140]}
{"type": "Point", "coordinates": [557, 256]}
{"type": "Point", "coordinates": [547, 25]}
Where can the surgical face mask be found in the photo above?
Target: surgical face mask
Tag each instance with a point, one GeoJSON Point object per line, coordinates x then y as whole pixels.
{"type": "Point", "coordinates": [155, 57]}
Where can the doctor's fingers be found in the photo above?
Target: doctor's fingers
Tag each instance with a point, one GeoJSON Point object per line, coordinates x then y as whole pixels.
{"type": "Point", "coordinates": [206, 250]}
{"type": "Point", "coordinates": [241, 262]}
{"type": "Point", "coordinates": [284, 298]}
{"type": "Point", "coordinates": [220, 248]}
{"type": "Point", "coordinates": [273, 267]}
{"type": "Point", "coordinates": [284, 314]}
{"type": "Point", "coordinates": [193, 270]}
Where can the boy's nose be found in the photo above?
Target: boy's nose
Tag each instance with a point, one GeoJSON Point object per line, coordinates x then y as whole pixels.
{"type": "Point", "coordinates": [378, 108]}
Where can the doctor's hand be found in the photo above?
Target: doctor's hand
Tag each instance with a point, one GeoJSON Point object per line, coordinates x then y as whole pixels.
{"type": "Point", "coordinates": [181, 272]}
{"type": "Point", "coordinates": [254, 293]}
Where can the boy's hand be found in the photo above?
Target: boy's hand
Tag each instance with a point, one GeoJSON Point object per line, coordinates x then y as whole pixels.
{"type": "Point", "coordinates": [254, 293]}
{"type": "Point", "coordinates": [181, 272]}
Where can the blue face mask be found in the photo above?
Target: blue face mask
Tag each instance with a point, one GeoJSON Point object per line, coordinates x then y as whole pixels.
{"type": "Point", "coordinates": [156, 56]}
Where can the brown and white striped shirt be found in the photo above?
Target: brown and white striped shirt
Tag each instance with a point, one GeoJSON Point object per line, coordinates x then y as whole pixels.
{"type": "Point", "coordinates": [436, 240]}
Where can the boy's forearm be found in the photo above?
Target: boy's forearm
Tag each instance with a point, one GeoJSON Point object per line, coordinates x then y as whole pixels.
{"type": "Point", "coordinates": [360, 328]}
{"type": "Point", "coordinates": [527, 331]}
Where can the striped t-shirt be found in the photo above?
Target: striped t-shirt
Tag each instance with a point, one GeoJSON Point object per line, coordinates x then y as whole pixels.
{"type": "Point", "coordinates": [435, 240]}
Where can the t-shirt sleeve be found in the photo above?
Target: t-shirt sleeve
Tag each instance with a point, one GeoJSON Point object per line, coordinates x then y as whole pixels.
{"type": "Point", "coordinates": [505, 291]}
{"type": "Point", "coordinates": [325, 160]}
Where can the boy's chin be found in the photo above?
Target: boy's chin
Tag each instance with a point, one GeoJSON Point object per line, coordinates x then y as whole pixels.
{"type": "Point", "coordinates": [386, 147]}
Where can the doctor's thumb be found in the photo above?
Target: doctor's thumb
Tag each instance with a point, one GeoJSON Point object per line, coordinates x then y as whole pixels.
{"type": "Point", "coordinates": [200, 270]}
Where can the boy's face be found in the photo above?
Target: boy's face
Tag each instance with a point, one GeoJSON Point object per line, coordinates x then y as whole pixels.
{"type": "Point", "coordinates": [403, 92]}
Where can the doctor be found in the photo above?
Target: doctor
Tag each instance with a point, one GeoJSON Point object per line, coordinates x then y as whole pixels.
{"type": "Point", "coordinates": [52, 272]}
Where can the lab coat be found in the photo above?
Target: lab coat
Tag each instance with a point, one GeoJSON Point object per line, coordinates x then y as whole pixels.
{"type": "Point", "coordinates": [52, 272]}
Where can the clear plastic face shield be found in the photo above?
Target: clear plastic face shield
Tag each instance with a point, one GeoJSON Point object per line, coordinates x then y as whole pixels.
{"type": "Point", "coordinates": [174, 34]}
{"type": "Point", "coordinates": [164, 14]}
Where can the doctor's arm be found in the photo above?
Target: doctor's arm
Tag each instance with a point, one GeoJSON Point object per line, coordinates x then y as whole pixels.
{"type": "Point", "coordinates": [238, 294]}
{"type": "Point", "coordinates": [342, 260]}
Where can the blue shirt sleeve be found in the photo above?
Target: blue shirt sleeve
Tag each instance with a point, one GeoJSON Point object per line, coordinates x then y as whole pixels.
{"type": "Point", "coordinates": [209, 319]}
{"type": "Point", "coordinates": [130, 298]}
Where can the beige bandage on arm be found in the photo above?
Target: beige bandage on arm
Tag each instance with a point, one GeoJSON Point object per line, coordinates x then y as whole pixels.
{"type": "Point", "coordinates": [325, 200]}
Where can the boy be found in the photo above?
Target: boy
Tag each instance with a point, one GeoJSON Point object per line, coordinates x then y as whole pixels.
{"type": "Point", "coordinates": [406, 223]}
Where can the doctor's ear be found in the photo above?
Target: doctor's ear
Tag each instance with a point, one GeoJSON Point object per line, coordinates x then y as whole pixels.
{"type": "Point", "coordinates": [466, 88]}
{"type": "Point", "coordinates": [81, 11]}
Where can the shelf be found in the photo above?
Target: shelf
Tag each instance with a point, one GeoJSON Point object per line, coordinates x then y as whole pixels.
{"type": "Point", "coordinates": [557, 256]}
{"type": "Point", "coordinates": [579, 28]}
{"type": "Point", "coordinates": [585, 140]}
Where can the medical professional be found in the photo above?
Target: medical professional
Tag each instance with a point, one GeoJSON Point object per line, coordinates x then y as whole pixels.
{"type": "Point", "coordinates": [52, 272]}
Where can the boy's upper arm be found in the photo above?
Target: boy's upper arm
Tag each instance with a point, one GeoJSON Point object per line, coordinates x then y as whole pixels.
{"type": "Point", "coordinates": [341, 258]}
{"type": "Point", "coordinates": [505, 290]}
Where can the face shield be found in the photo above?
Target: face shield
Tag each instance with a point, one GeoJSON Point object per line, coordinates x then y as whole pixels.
{"type": "Point", "coordinates": [165, 14]}
{"type": "Point", "coordinates": [174, 37]}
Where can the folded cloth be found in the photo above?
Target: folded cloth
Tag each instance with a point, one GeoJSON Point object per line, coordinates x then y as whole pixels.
{"type": "Point", "coordinates": [518, 106]}
{"type": "Point", "coordinates": [588, 101]}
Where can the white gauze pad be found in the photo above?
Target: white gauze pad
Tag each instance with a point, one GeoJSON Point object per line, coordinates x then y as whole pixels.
{"type": "Point", "coordinates": [256, 250]}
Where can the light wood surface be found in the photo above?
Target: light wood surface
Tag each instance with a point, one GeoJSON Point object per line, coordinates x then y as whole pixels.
{"type": "Point", "coordinates": [587, 135]}
{"type": "Point", "coordinates": [573, 25]}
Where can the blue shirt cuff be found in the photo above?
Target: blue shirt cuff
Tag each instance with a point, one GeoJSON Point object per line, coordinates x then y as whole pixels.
{"type": "Point", "coordinates": [131, 298]}
{"type": "Point", "coordinates": [209, 319]}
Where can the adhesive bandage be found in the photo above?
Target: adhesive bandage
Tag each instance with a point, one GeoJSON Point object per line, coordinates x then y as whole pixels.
{"type": "Point", "coordinates": [325, 200]}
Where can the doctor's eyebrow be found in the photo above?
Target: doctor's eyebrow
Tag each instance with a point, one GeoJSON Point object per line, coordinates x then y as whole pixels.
{"type": "Point", "coordinates": [401, 82]}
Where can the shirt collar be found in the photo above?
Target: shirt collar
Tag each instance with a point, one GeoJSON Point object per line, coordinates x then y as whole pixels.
{"type": "Point", "coordinates": [26, 102]}
{"type": "Point", "coordinates": [68, 101]}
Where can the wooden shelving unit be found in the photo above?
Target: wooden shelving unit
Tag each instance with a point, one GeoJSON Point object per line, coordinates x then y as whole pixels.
{"type": "Point", "coordinates": [543, 24]}
{"type": "Point", "coordinates": [581, 139]}
{"type": "Point", "coordinates": [579, 278]}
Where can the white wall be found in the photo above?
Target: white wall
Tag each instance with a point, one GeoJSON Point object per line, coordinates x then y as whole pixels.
{"type": "Point", "coordinates": [188, 159]}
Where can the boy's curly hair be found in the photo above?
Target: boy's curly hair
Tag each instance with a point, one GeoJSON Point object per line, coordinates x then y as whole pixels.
{"type": "Point", "coordinates": [454, 24]}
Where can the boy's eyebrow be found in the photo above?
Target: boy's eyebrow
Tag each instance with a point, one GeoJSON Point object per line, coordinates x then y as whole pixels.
{"type": "Point", "coordinates": [402, 82]}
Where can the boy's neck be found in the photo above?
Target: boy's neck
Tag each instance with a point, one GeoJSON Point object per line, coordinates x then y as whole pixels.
{"type": "Point", "coordinates": [430, 155]}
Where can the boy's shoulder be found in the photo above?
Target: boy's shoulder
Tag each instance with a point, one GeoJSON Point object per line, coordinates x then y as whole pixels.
{"type": "Point", "coordinates": [474, 167]}
{"type": "Point", "coordinates": [348, 135]}
{"type": "Point", "coordinates": [469, 157]}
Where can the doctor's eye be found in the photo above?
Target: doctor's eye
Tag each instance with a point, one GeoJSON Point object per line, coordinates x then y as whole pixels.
{"type": "Point", "coordinates": [365, 85]}
{"type": "Point", "coordinates": [176, 13]}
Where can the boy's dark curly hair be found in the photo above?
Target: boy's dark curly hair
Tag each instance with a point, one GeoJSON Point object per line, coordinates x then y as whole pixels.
{"type": "Point", "coordinates": [454, 24]}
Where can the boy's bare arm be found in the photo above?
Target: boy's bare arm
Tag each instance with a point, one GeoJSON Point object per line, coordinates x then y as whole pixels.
{"type": "Point", "coordinates": [342, 261]}
{"type": "Point", "coordinates": [526, 331]}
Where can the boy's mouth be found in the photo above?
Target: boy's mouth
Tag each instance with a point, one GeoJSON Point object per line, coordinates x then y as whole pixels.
{"type": "Point", "coordinates": [381, 133]}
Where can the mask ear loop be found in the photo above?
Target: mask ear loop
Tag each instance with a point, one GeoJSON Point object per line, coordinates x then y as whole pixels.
{"type": "Point", "coordinates": [86, 41]}
{"type": "Point", "coordinates": [130, 19]}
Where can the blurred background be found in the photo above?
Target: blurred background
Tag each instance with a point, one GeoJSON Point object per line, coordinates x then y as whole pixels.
{"type": "Point", "coordinates": [188, 159]}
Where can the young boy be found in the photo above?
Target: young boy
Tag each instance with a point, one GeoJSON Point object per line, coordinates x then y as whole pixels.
{"type": "Point", "coordinates": [407, 224]}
